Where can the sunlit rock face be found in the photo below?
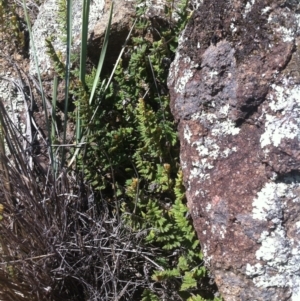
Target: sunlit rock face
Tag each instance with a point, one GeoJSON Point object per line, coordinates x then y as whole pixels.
{"type": "Point", "coordinates": [235, 92]}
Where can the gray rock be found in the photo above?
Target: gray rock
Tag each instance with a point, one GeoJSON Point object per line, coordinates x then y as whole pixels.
{"type": "Point", "coordinates": [235, 91]}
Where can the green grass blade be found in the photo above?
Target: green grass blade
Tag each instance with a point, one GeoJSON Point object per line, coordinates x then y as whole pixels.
{"type": "Point", "coordinates": [115, 67]}
{"type": "Point", "coordinates": [53, 113]}
{"type": "Point", "coordinates": [53, 117]}
{"type": "Point", "coordinates": [83, 55]}
{"type": "Point", "coordinates": [83, 139]}
{"type": "Point", "coordinates": [67, 76]}
{"type": "Point", "coordinates": [102, 56]}
{"type": "Point", "coordinates": [84, 38]}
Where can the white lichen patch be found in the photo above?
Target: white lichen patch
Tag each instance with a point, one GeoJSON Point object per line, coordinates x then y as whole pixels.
{"type": "Point", "coordinates": [183, 163]}
{"type": "Point", "coordinates": [225, 128]}
{"type": "Point", "coordinates": [287, 34]}
{"type": "Point", "coordinates": [207, 259]}
{"type": "Point", "coordinates": [199, 169]}
{"type": "Point", "coordinates": [279, 252]}
{"type": "Point", "coordinates": [196, 3]}
{"type": "Point", "coordinates": [224, 110]}
{"type": "Point", "coordinates": [232, 27]}
{"type": "Point", "coordinates": [256, 269]}
{"type": "Point", "coordinates": [187, 134]}
{"type": "Point", "coordinates": [283, 97]}
{"type": "Point", "coordinates": [274, 248]}
{"type": "Point", "coordinates": [223, 231]}
{"type": "Point", "coordinates": [208, 147]}
{"type": "Point", "coordinates": [265, 10]}
{"type": "Point", "coordinates": [268, 204]}
{"type": "Point", "coordinates": [213, 73]}
{"type": "Point", "coordinates": [297, 16]}
{"type": "Point", "coordinates": [208, 207]}
{"type": "Point", "coordinates": [298, 227]}
{"type": "Point", "coordinates": [186, 73]}
{"type": "Point", "coordinates": [248, 7]}
{"type": "Point", "coordinates": [182, 68]}
{"type": "Point", "coordinates": [228, 151]}
{"type": "Point", "coordinates": [278, 129]}
{"type": "Point", "coordinates": [285, 123]}
{"type": "Point", "coordinates": [195, 211]}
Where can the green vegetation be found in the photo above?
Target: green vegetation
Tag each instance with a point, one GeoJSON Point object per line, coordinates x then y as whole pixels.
{"type": "Point", "coordinates": [10, 25]}
{"type": "Point", "coordinates": [113, 220]}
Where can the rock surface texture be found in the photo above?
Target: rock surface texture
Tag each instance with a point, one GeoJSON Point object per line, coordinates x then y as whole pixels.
{"type": "Point", "coordinates": [235, 91]}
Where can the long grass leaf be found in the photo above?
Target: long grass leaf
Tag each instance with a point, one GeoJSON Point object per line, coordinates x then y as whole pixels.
{"type": "Point", "coordinates": [95, 83]}
{"type": "Point", "coordinates": [83, 55]}
{"type": "Point", "coordinates": [82, 141]}
{"type": "Point", "coordinates": [115, 67]}
{"type": "Point", "coordinates": [84, 38]}
{"type": "Point", "coordinates": [102, 56]}
{"type": "Point", "coordinates": [53, 116]}
{"type": "Point", "coordinates": [67, 76]}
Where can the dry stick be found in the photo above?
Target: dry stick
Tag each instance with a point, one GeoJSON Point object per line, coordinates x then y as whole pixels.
{"type": "Point", "coordinates": [122, 291]}
{"type": "Point", "coordinates": [26, 259]}
{"type": "Point", "coordinates": [117, 262]}
{"type": "Point", "coordinates": [153, 262]}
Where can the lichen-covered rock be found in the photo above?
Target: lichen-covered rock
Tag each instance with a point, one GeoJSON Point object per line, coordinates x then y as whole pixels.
{"type": "Point", "coordinates": [235, 91]}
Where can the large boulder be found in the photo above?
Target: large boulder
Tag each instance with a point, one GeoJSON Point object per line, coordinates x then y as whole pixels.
{"type": "Point", "coordinates": [235, 91]}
